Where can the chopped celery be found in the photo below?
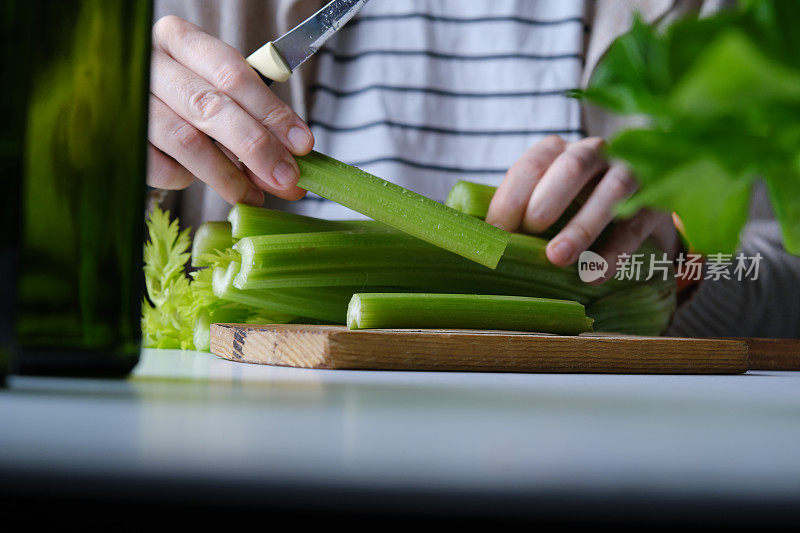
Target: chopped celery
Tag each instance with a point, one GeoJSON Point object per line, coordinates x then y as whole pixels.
{"type": "Point", "coordinates": [402, 209]}
{"type": "Point", "coordinates": [466, 311]}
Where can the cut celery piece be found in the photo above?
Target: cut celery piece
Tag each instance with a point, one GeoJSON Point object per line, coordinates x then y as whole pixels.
{"type": "Point", "coordinates": [466, 311]}
{"type": "Point", "coordinates": [402, 209]}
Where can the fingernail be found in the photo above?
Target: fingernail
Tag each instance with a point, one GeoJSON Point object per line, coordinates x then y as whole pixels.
{"type": "Point", "coordinates": [564, 250]}
{"type": "Point", "coordinates": [299, 138]}
{"type": "Point", "coordinates": [499, 225]}
{"type": "Point", "coordinates": [254, 197]}
{"type": "Point", "coordinates": [284, 174]}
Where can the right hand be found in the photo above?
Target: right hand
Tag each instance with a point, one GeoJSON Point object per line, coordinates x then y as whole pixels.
{"type": "Point", "coordinates": [212, 117]}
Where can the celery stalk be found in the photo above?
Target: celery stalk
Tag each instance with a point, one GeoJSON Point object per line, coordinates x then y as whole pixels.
{"type": "Point", "coordinates": [201, 333]}
{"type": "Point", "coordinates": [466, 311]}
{"type": "Point", "coordinates": [402, 209]}
{"type": "Point", "coordinates": [474, 199]}
{"type": "Point", "coordinates": [231, 313]}
{"type": "Point", "coordinates": [412, 279]}
{"type": "Point", "coordinates": [471, 198]}
{"type": "Point", "coordinates": [339, 249]}
{"type": "Point", "coordinates": [642, 309]}
{"type": "Point", "coordinates": [395, 259]}
{"type": "Point", "coordinates": [328, 304]}
{"type": "Point", "coordinates": [249, 221]}
{"type": "Point", "coordinates": [210, 236]}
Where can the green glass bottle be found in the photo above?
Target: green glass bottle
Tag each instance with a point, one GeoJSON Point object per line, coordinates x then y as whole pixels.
{"type": "Point", "coordinates": [82, 187]}
{"type": "Point", "coordinates": [16, 24]}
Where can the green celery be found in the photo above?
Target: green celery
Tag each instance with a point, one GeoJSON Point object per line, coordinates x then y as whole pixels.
{"type": "Point", "coordinates": [416, 279]}
{"type": "Point", "coordinates": [402, 209]}
{"type": "Point", "coordinates": [471, 198]}
{"type": "Point", "coordinates": [643, 309]}
{"type": "Point", "coordinates": [202, 332]}
{"type": "Point", "coordinates": [249, 221]}
{"type": "Point", "coordinates": [232, 313]}
{"type": "Point", "coordinates": [474, 199]}
{"type": "Point", "coordinates": [399, 260]}
{"type": "Point", "coordinates": [210, 237]}
{"type": "Point", "coordinates": [328, 304]}
{"type": "Point", "coordinates": [466, 311]}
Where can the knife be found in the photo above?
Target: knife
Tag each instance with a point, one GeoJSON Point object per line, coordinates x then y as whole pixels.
{"type": "Point", "coordinates": [276, 60]}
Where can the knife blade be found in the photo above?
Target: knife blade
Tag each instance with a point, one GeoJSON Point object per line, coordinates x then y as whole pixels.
{"type": "Point", "coordinates": [276, 60]}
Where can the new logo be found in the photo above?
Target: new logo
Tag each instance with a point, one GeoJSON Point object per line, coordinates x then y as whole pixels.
{"type": "Point", "coordinates": [591, 266]}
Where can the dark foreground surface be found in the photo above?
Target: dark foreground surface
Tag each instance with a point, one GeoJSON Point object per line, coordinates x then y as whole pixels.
{"type": "Point", "coordinates": [213, 440]}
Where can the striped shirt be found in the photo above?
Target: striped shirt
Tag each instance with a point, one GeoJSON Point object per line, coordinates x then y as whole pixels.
{"type": "Point", "coordinates": [426, 92]}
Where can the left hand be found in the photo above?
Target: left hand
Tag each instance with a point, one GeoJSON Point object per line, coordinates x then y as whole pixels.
{"type": "Point", "coordinates": [544, 181]}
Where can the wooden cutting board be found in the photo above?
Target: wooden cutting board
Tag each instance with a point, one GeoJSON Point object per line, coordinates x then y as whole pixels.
{"type": "Point", "coordinates": [773, 354]}
{"type": "Point", "coordinates": [336, 347]}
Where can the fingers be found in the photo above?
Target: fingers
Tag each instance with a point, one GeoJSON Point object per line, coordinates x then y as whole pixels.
{"type": "Point", "coordinates": [569, 172]}
{"type": "Point", "coordinates": [217, 115]}
{"type": "Point", "coordinates": [291, 195]}
{"type": "Point", "coordinates": [592, 218]}
{"type": "Point", "coordinates": [627, 236]}
{"type": "Point", "coordinates": [163, 172]}
{"type": "Point", "coordinates": [224, 68]}
{"type": "Point", "coordinates": [508, 205]}
{"type": "Point", "coordinates": [541, 185]}
{"type": "Point", "coordinates": [192, 149]}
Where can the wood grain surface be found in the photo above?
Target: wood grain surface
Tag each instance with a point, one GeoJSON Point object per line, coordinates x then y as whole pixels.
{"type": "Point", "coordinates": [773, 354]}
{"type": "Point", "coordinates": [336, 347]}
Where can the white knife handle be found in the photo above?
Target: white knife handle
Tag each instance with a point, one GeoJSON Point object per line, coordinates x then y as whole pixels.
{"type": "Point", "coordinates": [269, 63]}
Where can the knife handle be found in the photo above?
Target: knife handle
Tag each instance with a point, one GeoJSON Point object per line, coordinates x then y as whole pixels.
{"type": "Point", "coordinates": [269, 64]}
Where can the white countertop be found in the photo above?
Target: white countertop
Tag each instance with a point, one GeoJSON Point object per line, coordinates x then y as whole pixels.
{"type": "Point", "coordinates": [194, 420]}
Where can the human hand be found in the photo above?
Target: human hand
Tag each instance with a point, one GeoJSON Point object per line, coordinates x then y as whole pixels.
{"type": "Point", "coordinates": [212, 117]}
{"type": "Point", "coordinates": [546, 179]}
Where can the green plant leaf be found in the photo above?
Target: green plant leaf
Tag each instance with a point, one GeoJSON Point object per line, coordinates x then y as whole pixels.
{"type": "Point", "coordinates": [686, 37]}
{"type": "Point", "coordinates": [625, 80]}
{"type": "Point", "coordinates": [713, 212]}
{"type": "Point", "coordinates": [776, 27]}
{"type": "Point", "coordinates": [732, 76]}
